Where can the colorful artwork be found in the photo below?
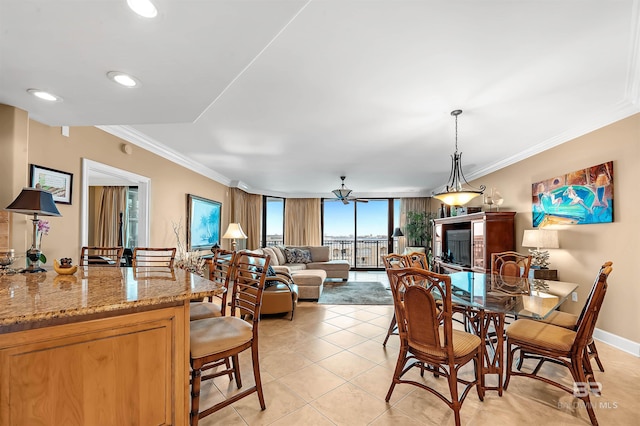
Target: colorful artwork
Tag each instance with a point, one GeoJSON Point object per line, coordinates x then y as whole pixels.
{"type": "Point", "coordinates": [580, 197]}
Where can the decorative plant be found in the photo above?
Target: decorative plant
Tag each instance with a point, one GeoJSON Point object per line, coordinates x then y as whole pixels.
{"type": "Point", "coordinates": [191, 261]}
{"type": "Point", "coordinates": [418, 228]}
{"type": "Point", "coordinates": [43, 229]}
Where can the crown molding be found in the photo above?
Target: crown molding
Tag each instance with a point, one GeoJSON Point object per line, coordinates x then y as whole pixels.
{"type": "Point", "coordinates": [143, 141]}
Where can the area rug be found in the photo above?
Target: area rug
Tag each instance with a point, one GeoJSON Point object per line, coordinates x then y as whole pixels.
{"type": "Point", "coordinates": [355, 293]}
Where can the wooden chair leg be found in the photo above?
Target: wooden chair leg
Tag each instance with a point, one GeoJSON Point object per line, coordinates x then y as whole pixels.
{"type": "Point", "coordinates": [390, 331]}
{"type": "Point", "coordinates": [396, 373]}
{"type": "Point", "coordinates": [195, 395]}
{"type": "Point", "coordinates": [593, 353]}
{"type": "Point", "coordinates": [453, 388]}
{"type": "Point", "coordinates": [256, 374]}
{"type": "Point", "coordinates": [236, 368]}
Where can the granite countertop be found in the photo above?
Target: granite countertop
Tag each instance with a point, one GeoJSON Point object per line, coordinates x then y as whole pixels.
{"type": "Point", "coordinates": [43, 296]}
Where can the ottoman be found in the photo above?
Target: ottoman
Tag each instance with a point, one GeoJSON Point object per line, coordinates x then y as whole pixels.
{"type": "Point", "coordinates": [309, 282]}
{"type": "Point", "coordinates": [278, 298]}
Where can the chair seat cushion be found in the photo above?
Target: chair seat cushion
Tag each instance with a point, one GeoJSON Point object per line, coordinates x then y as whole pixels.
{"type": "Point", "coordinates": [562, 319]}
{"type": "Point", "coordinates": [201, 310]}
{"type": "Point", "coordinates": [215, 335]}
{"type": "Point", "coordinates": [540, 334]}
{"type": "Point", "coordinates": [463, 344]}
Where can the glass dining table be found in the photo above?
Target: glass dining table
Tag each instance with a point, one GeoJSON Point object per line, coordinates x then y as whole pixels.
{"type": "Point", "coordinates": [485, 300]}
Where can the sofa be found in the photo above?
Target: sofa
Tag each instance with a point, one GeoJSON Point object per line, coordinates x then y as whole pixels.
{"type": "Point", "coordinates": [309, 266]}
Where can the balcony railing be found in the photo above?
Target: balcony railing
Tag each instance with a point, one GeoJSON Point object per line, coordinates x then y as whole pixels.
{"type": "Point", "coordinates": [362, 253]}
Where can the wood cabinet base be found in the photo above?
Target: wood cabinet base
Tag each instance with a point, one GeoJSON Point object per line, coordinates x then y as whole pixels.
{"type": "Point", "coordinates": [127, 369]}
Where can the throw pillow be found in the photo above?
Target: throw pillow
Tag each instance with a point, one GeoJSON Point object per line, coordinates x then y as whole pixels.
{"type": "Point", "coordinates": [272, 255]}
{"type": "Point", "coordinates": [279, 251]}
{"type": "Point", "coordinates": [296, 255]}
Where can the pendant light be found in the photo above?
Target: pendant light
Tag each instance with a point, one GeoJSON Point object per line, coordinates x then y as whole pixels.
{"type": "Point", "coordinates": [455, 194]}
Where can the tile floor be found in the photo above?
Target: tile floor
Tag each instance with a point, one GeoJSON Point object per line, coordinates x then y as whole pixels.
{"type": "Point", "coordinates": [328, 367]}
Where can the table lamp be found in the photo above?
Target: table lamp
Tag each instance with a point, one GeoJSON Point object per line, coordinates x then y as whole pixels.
{"type": "Point", "coordinates": [234, 232]}
{"type": "Point", "coordinates": [540, 239]}
{"type": "Point", "coordinates": [35, 201]}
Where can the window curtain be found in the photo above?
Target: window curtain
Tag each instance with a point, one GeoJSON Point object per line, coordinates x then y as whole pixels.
{"type": "Point", "coordinates": [302, 222]}
{"type": "Point", "coordinates": [418, 204]}
{"type": "Point", "coordinates": [246, 209]}
{"type": "Point", "coordinates": [113, 202]}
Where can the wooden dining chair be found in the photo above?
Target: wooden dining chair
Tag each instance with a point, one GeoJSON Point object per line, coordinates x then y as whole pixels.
{"type": "Point", "coordinates": [417, 260]}
{"type": "Point", "coordinates": [393, 261]}
{"type": "Point", "coordinates": [101, 256]}
{"type": "Point", "coordinates": [427, 338]}
{"type": "Point", "coordinates": [153, 257]}
{"type": "Point", "coordinates": [215, 339]}
{"type": "Point", "coordinates": [510, 264]}
{"type": "Point", "coordinates": [220, 272]}
{"type": "Point", "coordinates": [572, 322]}
{"type": "Point", "coordinates": [563, 346]}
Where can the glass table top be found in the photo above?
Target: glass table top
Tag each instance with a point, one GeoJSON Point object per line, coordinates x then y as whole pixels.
{"type": "Point", "coordinates": [524, 297]}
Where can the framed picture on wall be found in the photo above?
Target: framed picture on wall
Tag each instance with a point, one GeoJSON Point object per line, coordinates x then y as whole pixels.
{"type": "Point", "coordinates": [582, 196]}
{"type": "Point", "coordinates": [203, 222]}
{"type": "Point", "coordinates": [59, 183]}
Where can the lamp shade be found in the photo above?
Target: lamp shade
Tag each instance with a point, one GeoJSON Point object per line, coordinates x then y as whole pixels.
{"type": "Point", "coordinates": [397, 233]}
{"type": "Point", "coordinates": [235, 231]}
{"type": "Point", "coordinates": [541, 238]}
{"type": "Point", "coordinates": [34, 201]}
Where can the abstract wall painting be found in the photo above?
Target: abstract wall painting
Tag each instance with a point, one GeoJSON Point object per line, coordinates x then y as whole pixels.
{"type": "Point", "coordinates": [584, 196]}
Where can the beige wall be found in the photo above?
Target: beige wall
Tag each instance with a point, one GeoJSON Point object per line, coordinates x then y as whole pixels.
{"type": "Point", "coordinates": [169, 184]}
{"type": "Point", "coordinates": [585, 247]}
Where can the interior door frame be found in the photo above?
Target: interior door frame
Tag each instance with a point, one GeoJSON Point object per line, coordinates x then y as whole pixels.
{"type": "Point", "coordinates": [109, 175]}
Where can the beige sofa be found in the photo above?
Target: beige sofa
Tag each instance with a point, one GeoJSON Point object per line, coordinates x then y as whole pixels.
{"type": "Point", "coordinates": [309, 266]}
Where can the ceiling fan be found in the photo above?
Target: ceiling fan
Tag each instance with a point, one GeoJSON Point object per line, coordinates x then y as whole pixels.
{"type": "Point", "coordinates": [344, 194]}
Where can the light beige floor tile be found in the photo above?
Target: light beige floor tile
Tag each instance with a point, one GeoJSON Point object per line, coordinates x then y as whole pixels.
{"type": "Point", "coordinates": [319, 329]}
{"type": "Point", "coordinates": [279, 399]}
{"type": "Point", "coordinates": [281, 363]}
{"type": "Point", "coordinates": [394, 417]}
{"type": "Point", "coordinates": [228, 416]}
{"type": "Point", "coordinates": [375, 352]}
{"type": "Point", "coordinates": [343, 321]}
{"type": "Point", "coordinates": [307, 416]}
{"type": "Point", "coordinates": [345, 339]}
{"type": "Point", "coordinates": [377, 381]}
{"type": "Point", "coordinates": [344, 309]}
{"type": "Point", "coordinates": [368, 330]}
{"type": "Point", "coordinates": [312, 382]}
{"type": "Point", "coordinates": [363, 315]}
{"type": "Point", "coordinates": [317, 349]}
{"type": "Point", "coordinates": [346, 364]}
{"type": "Point", "coordinates": [349, 405]}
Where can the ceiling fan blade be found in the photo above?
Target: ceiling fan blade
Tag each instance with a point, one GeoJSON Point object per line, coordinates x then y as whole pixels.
{"type": "Point", "coordinates": [344, 201]}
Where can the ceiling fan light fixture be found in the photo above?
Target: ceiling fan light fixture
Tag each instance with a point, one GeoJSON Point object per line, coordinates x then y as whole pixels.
{"type": "Point", "coordinates": [343, 191]}
{"type": "Point", "coordinates": [457, 191]}
{"type": "Point", "coordinates": [123, 79]}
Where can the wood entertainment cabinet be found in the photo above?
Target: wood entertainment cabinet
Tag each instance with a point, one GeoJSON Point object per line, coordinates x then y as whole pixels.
{"type": "Point", "coordinates": [470, 239]}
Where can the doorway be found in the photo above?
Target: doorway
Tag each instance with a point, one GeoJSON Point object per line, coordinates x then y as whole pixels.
{"type": "Point", "coordinates": [98, 174]}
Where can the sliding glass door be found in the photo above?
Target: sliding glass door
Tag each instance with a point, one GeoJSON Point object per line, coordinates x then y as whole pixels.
{"type": "Point", "coordinates": [358, 231]}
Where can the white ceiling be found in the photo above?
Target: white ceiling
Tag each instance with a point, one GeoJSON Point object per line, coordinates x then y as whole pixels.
{"type": "Point", "coordinates": [283, 97]}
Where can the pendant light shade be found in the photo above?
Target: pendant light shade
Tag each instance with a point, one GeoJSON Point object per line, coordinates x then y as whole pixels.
{"type": "Point", "coordinates": [458, 192]}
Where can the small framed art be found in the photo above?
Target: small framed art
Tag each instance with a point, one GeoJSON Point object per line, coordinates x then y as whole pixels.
{"type": "Point", "coordinates": [59, 183]}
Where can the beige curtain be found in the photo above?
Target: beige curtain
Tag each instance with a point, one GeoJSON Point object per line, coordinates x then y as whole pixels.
{"type": "Point", "coordinates": [420, 204]}
{"type": "Point", "coordinates": [302, 222]}
{"type": "Point", "coordinates": [114, 202]}
{"type": "Point", "coordinates": [246, 209]}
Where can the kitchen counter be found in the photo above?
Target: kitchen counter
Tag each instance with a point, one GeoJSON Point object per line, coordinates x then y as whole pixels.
{"type": "Point", "coordinates": [26, 298]}
{"type": "Point", "coordinates": [104, 346]}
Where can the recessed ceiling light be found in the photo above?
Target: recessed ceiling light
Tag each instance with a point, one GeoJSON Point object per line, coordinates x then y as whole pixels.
{"type": "Point", "coordinates": [123, 79]}
{"type": "Point", "coordinates": [45, 95]}
{"type": "Point", "coordinates": [143, 8]}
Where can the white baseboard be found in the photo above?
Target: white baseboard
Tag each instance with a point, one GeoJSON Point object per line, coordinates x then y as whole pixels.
{"type": "Point", "coordinates": [618, 342]}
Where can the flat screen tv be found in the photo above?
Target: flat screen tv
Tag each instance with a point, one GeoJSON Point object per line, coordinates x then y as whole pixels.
{"type": "Point", "coordinates": [458, 243]}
